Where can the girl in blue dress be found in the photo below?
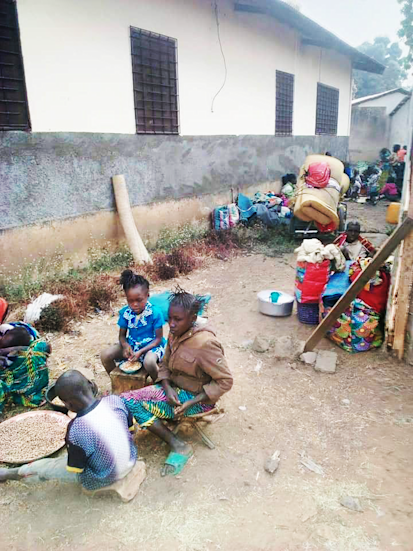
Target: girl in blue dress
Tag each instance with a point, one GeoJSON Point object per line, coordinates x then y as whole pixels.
{"type": "Point", "coordinates": [140, 328]}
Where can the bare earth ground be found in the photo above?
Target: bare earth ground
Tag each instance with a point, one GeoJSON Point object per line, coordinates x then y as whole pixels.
{"type": "Point", "coordinates": [224, 499]}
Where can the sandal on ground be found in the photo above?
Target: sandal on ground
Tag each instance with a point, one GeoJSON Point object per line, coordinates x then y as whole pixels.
{"type": "Point", "coordinates": [177, 461]}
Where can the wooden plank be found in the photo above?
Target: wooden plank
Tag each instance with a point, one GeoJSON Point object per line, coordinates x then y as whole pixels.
{"type": "Point", "coordinates": [404, 287]}
{"type": "Point", "coordinates": [381, 256]}
{"type": "Point", "coordinates": [403, 296]}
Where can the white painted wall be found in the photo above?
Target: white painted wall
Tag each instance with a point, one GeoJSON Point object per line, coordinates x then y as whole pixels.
{"type": "Point", "coordinates": [399, 126]}
{"type": "Point", "coordinates": [79, 79]}
{"type": "Point", "coordinates": [389, 102]}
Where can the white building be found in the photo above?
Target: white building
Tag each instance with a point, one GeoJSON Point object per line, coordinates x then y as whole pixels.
{"type": "Point", "coordinates": [184, 97]}
{"type": "Point", "coordinates": [379, 121]}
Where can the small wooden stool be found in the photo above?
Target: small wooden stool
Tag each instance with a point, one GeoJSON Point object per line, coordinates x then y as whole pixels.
{"type": "Point", "coordinates": [123, 382]}
{"type": "Point", "coordinates": [209, 417]}
{"type": "Point", "coordinates": [127, 487]}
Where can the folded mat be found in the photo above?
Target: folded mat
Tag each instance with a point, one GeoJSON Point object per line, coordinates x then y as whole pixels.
{"type": "Point", "coordinates": [319, 204]}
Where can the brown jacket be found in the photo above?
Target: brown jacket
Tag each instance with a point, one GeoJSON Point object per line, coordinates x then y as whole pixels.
{"type": "Point", "coordinates": [195, 362]}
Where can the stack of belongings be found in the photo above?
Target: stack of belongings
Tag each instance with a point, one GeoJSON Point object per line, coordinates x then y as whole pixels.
{"type": "Point", "coordinates": [321, 184]}
{"type": "Point", "coordinates": [361, 326]}
{"type": "Point", "coordinates": [270, 208]}
{"type": "Point", "coordinates": [314, 265]}
{"type": "Point", "coordinates": [225, 217]}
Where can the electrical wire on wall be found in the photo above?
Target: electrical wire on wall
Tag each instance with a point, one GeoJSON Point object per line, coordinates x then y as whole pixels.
{"type": "Point", "coordinates": [223, 57]}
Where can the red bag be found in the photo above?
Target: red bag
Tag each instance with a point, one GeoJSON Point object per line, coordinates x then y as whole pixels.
{"type": "Point", "coordinates": [314, 281]}
{"type": "Point", "coordinates": [376, 297]}
{"type": "Point", "coordinates": [318, 175]}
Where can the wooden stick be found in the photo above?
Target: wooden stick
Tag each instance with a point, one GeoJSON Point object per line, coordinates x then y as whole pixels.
{"type": "Point", "coordinates": [381, 256]}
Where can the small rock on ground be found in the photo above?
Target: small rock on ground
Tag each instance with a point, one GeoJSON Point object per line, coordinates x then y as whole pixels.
{"type": "Point", "coordinates": [351, 503]}
{"type": "Point", "coordinates": [309, 358]}
{"type": "Point", "coordinates": [260, 345]}
{"type": "Point", "coordinates": [326, 362]}
{"type": "Point", "coordinates": [345, 402]}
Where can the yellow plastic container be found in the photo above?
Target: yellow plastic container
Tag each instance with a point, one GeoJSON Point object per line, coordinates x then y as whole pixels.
{"type": "Point", "coordinates": [392, 216]}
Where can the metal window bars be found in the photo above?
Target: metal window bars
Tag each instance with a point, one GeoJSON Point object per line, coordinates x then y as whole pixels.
{"type": "Point", "coordinates": [327, 110]}
{"type": "Point", "coordinates": [14, 112]}
{"type": "Point", "coordinates": [284, 103]}
{"type": "Point", "coordinates": [155, 82]}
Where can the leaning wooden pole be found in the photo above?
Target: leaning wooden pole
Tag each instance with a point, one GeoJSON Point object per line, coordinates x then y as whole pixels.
{"type": "Point", "coordinates": [380, 257]}
{"type": "Point", "coordinates": [134, 240]}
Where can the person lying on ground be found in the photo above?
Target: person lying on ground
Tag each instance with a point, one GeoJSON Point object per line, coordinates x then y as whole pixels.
{"type": "Point", "coordinates": [24, 375]}
{"type": "Point", "coordinates": [140, 329]}
{"type": "Point", "coordinates": [390, 191]}
{"type": "Point", "coordinates": [100, 450]}
{"type": "Point", "coordinates": [193, 375]}
{"type": "Point", "coordinates": [352, 245]}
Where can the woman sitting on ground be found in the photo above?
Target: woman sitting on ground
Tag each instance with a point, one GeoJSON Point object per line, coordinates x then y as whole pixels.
{"type": "Point", "coordinates": [23, 356]}
{"type": "Point", "coordinates": [193, 375]}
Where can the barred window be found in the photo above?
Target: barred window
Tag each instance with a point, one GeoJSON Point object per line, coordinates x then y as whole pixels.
{"type": "Point", "coordinates": [327, 110]}
{"type": "Point", "coordinates": [284, 103]}
{"type": "Point", "coordinates": [14, 112]}
{"type": "Point", "coordinates": [155, 82]}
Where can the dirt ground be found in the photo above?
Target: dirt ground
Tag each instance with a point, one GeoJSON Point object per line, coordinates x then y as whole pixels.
{"type": "Point", "coordinates": [224, 500]}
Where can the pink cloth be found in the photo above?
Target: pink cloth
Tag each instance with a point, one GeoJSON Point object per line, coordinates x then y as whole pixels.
{"type": "Point", "coordinates": [390, 188]}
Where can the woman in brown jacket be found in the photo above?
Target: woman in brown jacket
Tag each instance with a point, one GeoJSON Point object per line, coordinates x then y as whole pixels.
{"type": "Point", "coordinates": [193, 375]}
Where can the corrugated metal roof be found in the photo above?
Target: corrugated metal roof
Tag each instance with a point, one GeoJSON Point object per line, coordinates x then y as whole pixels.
{"type": "Point", "coordinates": [313, 33]}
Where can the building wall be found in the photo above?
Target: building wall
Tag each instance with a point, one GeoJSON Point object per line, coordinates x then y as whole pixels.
{"type": "Point", "coordinates": [56, 188]}
{"type": "Point", "coordinates": [399, 126]}
{"type": "Point", "coordinates": [79, 79]}
{"type": "Point", "coordinates": [390, 102]}
{"type": "Point", "coordinates": [369, 133]}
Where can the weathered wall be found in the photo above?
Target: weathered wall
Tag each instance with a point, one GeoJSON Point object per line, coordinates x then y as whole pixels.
{"type": "Point", "coordinates": [48, 177]}
{"type": "Point", "coordinates": [369, 133]}
{"type": "Point", "coordinates": [56, 191]}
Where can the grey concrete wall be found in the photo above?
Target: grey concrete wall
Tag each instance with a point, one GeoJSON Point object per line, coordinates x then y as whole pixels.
{"type": "Point", "coordinates": [369, 133]}
{"type": "Point", "coordinates": [55, 176]}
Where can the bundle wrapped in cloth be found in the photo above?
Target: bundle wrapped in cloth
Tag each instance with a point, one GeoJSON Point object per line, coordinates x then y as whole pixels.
{"type": "Point", "coordinates": [321, 184]}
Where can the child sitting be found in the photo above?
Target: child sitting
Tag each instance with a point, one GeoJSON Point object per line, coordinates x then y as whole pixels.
{"type": "Point", "coordinates": [100, 450]}
{"type": "Point", "coordinates": [390, 191]}
{"type": "Point", "coordinates": [141, 329]}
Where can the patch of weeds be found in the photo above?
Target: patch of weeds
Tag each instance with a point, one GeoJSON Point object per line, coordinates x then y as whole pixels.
{"type": "Point", "coordinates": [390, 229]}
{"type": "Point", "coordinates": [177, 262]}
{"type": "Point", "coordinates": [105, 260]}
{"type": "Point", "coordinates": [173, 238]}
{"type": "Point", "coordinates": [101, 294]}
{"type": "Point", "coordinates": [273, 241]}
{"type": "Point", "coordinates": [56, 317]}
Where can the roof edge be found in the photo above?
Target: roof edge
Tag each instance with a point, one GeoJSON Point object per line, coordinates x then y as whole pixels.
{"type": "Point", "coordinates": [313, 33]}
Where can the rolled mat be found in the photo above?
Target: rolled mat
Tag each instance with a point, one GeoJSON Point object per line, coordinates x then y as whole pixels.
{"type": "Point", "coordinates": [138, 249]}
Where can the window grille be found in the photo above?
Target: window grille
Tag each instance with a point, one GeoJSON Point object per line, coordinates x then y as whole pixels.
{"type": "Point", "coordinates": [155, 82]}
{"type": "Point", "coordinates": [284, 103]}
{"type": "Point", "coordinates": [327, 110]}
{"type": "Point", "coordinates": [14, 112]}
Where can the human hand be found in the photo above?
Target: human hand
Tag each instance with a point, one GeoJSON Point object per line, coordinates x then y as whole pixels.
{"type": "Point", "coordinates": [180, 410]}
{"type": "Point", "coordinates": [127, 351]}
{"type": "Point", "coordinates": [172, 397]}
{"type": "Point", "coordinates": [135, 356]}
